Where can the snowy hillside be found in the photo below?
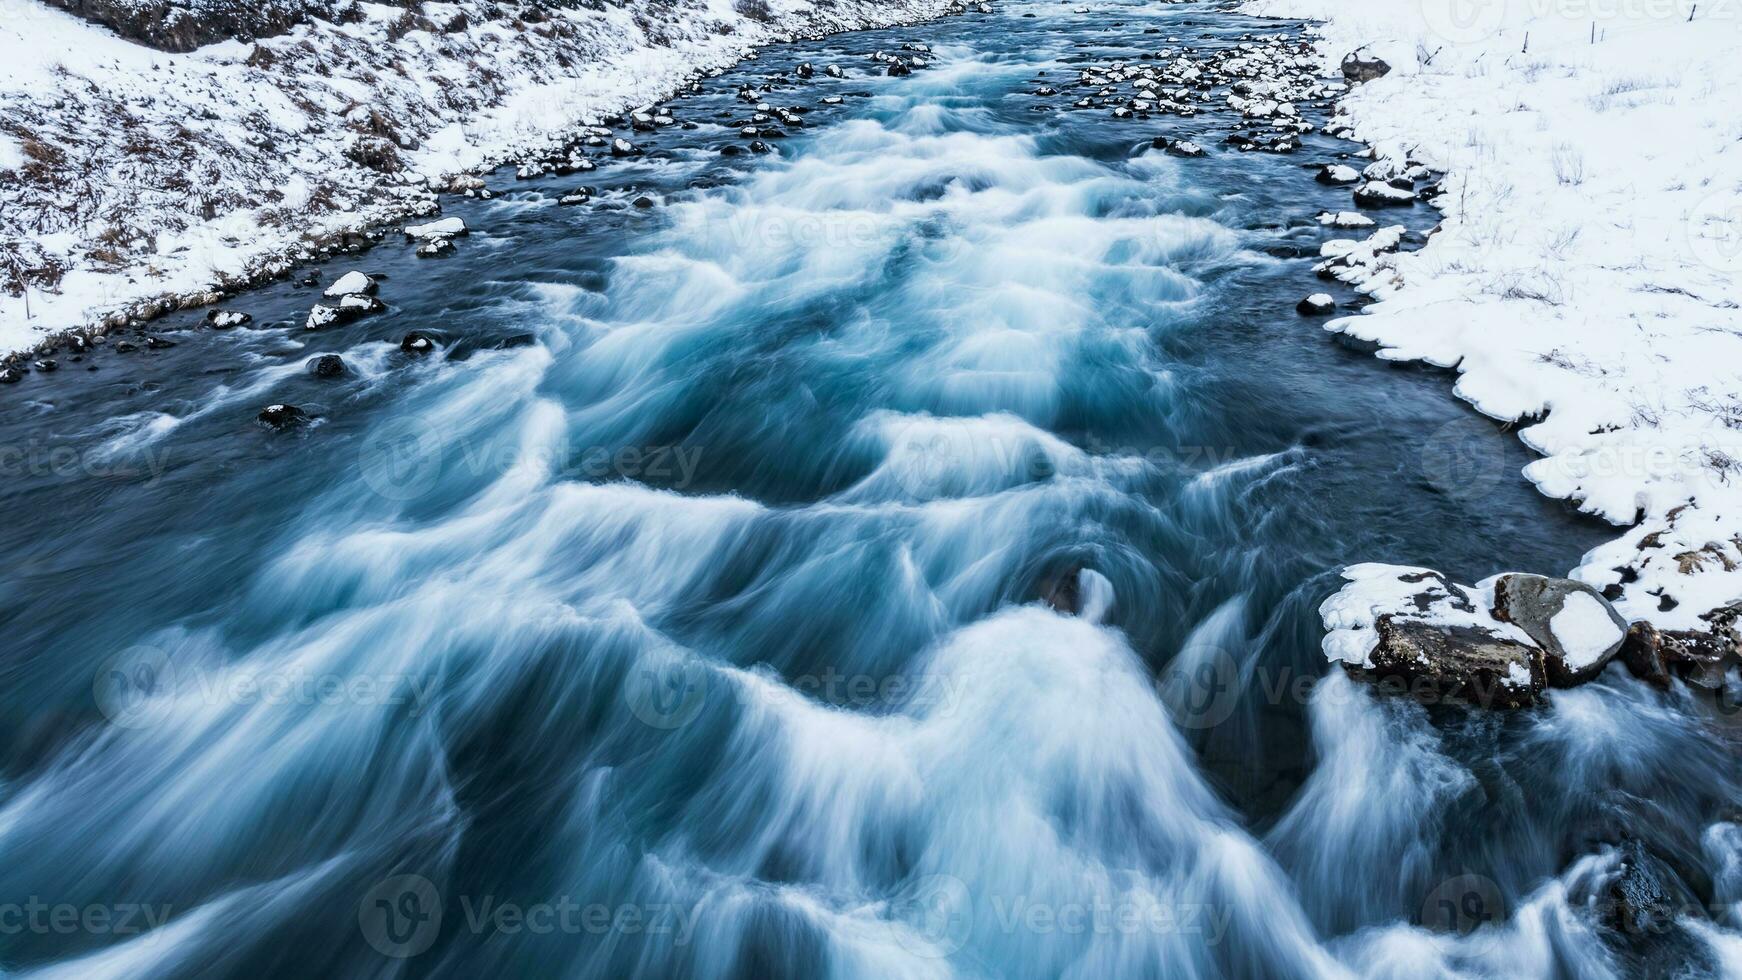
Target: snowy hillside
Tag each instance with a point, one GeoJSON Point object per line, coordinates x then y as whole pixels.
{"type": "Point", "coordinates": [128, 173]}
{"type": "Point", "coordinates": [1583, 283]}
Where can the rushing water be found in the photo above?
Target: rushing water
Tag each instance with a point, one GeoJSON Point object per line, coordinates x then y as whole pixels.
{"type": "Point", "coordinates": [697, 633]}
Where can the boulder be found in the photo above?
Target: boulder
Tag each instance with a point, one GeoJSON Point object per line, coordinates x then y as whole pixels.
{"type": "Point", "coordinates": [1414, 631]}
{"type": "Point", "coordinates": [1440, 663]}
{"type": "Point", "coordinates": [442, 228]}
{"type": "Point", "coordinates": [1337, 174]}
{"type": "Point", "coordinates": [1380, 194]}
{"type": "Point", "coordinates": [417, 342]}
{"type": "Point", "coordinates": [327, 366]}
{"type": "Point", "coordinates": [351, 284]}
{"type": "Point", "coordinates": [1359, 69]}
{"type": "Point", "coordinates": [1318, 304]}
{"type": "Point", "coordinates": [1578, 631]}
{"type": "Point", "coordinates": [1703, 658]}
{"type": "Point", "coordinates": [278, 418]}
{"type": "Point", "coordinates": [227, 319]}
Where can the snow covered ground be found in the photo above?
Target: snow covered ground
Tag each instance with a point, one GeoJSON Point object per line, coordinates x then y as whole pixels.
{"type": "Point", "coordinates": [128, 174]}
{"type": "Point", "coordinates": [1584, 282]}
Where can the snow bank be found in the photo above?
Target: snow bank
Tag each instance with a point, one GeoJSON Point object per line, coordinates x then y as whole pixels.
{"type": "Point", "coordinates": [1584, 279]}
{"type": "Point", "coordinates": [128, 174]}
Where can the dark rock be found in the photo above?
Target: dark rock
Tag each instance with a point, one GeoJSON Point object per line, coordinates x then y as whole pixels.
{"type": "Point", "coordinates": [1357, 69]}
{"type": "Point", "coordinates": [897, 69]}
{"type": "Point", "coordinates": [45, 365]}
{"type": "Point", "coordinates": [1456, 664]}
{"type": "Point", "coordinates": [417, 342]}
{"type": "Point", "coordinates": [10, 376]}
{"type": "Point", "coordinates": [126, 347]}
{"type": "Point", "coordinates": [731, 150]}
{"type": "Point", "coordinates": [278, 418]}
{"type": "Point", "coordinates": [644, 202]}
{"type": "Point", "coordinates": [327, 366]}
{"type": "Point", "coordinates": [1701, 657]}
{"type": "Point", "coordinates": [1647, 896]}
{"type": "Point", "coordinates": [1062, 591]}
{"type": "Point", "coordinates": [1531, 602]}
{"type": "Point", "coordinates": [1318, 304]}
{"type": "Point", "coordinates": [158, 343]}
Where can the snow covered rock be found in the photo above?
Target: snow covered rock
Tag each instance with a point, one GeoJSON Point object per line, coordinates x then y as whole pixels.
{"type": "Point", "coordinates": [1381, 194]}
{"type": "Point", "coordinates": [435, 247]}
{"type": "Point", "coordinates": [1577, 629]}
{"type": "Point", "coordinates": [1707, 658]}
{"type": "Point", "coordinates": [227, 319]}
{"type": "Point", "coordinates": [1318, 304]}
{"type": "Point", "coordinates": [443, 228]}
{"type": "Point", "coordinates": [1346, 219]}
{"type": "Point", "coordinates": [416, 342]}
{"type": "Point", "coordinates": [1336, 174]}
{"type": "Point", "coordinates": [1498, 643]}
{"type": "Point", "coordinates": [348, 308]}
{"type": "Point", "coordinates": [351, 284]}
{"type": "Point", "coordinates": [1415, 631]}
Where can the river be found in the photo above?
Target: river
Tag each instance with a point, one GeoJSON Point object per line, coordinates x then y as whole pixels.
{"type": "Point", "coordinates": [681, 616]}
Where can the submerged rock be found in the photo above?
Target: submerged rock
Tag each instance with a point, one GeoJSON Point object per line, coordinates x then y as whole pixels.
{"type": "Point", "coordinates": [278, 418]}
{"type": "Point", "coordinates": [417, 342]}
{"type": "Point", "coordinates": [327, 366]}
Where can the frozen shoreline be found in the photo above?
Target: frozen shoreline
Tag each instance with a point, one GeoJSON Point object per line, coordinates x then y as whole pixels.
{"type": "Point", "coordinates": [138, 175]}
{"type": "Point", "coordinates": [1583, 281]}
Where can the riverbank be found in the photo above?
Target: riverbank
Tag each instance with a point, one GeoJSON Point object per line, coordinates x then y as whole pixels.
{"type": "Point", "coordinates": [139, 181]}
{"type": "Point", "coordinates": [1583, 282]}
